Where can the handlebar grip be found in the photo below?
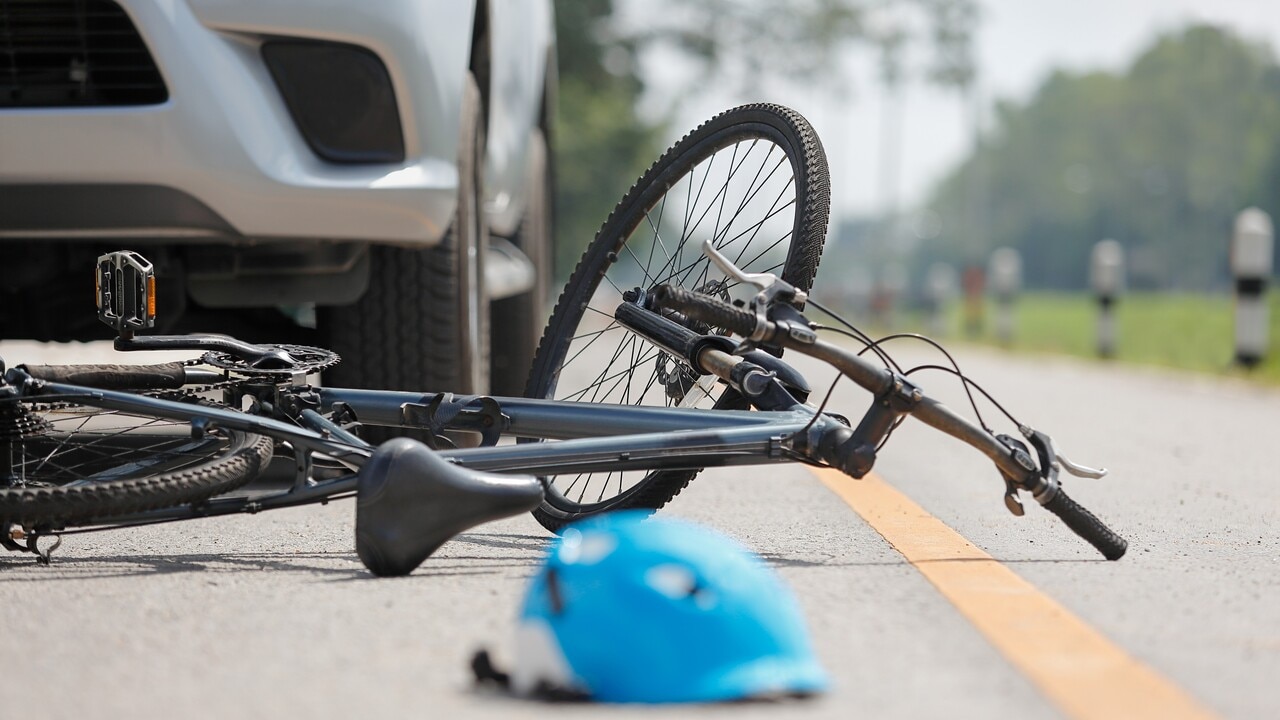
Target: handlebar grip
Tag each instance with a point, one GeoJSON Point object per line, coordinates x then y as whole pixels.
{"type": "Point", "coordinates": [708, 309]}
{"type": "Point", "coordinates": [164, 376]}
{"type": "Point", "coordinates": [1087, 525]}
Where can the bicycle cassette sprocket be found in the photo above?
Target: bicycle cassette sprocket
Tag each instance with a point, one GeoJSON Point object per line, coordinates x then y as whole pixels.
{"type": "Point", "coordinates": [303, 359]}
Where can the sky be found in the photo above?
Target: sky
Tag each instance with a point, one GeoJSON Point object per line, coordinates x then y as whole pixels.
{"type": "Point", "coordinates": [1018, 43]}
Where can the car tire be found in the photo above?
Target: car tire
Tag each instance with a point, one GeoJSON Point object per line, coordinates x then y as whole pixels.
{"type": "Point", "coordinates": [423, 324]}
{"type": "Point", "coordinates": [518, 320]}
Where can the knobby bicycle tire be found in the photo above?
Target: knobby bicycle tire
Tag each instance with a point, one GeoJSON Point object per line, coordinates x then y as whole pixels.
{"type": "Point", "coordinates": [235, 459]}
{"type": "Point", "coordinates": [735, 135]}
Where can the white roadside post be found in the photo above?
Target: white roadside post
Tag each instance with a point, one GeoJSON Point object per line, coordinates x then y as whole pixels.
{"type": "Point", "coordinates": [1106, 276]}
{"type": "Point", "coordinates": [940, 288]}
{"type": "Point", "coordinates": [1006, 281]}
{"type": "Point", "coordinates": [1251, 252]}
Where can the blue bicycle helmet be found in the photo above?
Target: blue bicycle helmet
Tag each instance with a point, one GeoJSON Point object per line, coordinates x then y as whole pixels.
{"type": "Point", "coordinates": [629, 609]}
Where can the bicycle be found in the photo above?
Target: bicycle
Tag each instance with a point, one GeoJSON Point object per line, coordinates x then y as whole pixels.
{"type": "Point", "coordinates": [689, 323]}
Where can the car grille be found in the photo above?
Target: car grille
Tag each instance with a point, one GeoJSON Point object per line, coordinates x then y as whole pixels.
{"type": "Point", "coordinates": [72, 53]}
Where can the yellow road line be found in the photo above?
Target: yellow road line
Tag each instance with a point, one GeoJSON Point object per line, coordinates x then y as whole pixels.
{"type": "Point", "coordinates": [1079, 670]}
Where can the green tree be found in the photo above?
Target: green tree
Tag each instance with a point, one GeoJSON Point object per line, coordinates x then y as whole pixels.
{"type": "Point", "coordinates": [1160, 158]}
{"type": "Point", "coordinates": [601, 144]}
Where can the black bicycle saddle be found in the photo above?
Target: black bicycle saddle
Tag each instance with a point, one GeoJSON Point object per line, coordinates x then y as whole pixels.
{"type": "Point", "coordinates": [410, 501]}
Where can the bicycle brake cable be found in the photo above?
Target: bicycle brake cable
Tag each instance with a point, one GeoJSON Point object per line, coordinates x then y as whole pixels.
{"type": "Point", "coordinates": [969, 382]}
{"type": "Point", "coordinates": [875, 346]}
{"type": "Point", "coordinates": [965, 381]}
{"type": "Point", "coordinates": [856, 334]}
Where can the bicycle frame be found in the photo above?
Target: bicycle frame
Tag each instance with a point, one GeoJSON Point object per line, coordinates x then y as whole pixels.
{"type": "Point", "coordinates": [592, 437]}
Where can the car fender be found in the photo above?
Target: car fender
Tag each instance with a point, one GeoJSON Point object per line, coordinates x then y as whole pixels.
{"type": "Point", "coordinates": [522, 38]}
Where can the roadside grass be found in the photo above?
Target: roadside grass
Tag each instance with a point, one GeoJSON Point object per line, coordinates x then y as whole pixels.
{"type": "Point", "coordinates": [1180, 331]}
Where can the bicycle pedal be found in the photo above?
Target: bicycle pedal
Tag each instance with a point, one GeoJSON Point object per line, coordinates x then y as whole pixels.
{"type": "Point", "coordinates": [125, 286]}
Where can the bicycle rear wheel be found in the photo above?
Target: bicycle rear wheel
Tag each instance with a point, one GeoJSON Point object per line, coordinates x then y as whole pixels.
{"type": "Point", "coordinates": [72, 464]}
{"type": "Point", "coordinates": [754, 180]}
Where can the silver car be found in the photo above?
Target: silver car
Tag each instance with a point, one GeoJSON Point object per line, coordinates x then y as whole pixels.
{"type": "Point", "coordinates": [375, 170]}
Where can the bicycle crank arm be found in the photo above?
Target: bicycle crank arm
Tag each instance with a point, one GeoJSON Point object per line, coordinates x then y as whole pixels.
{"type": "Point", "coordinates": [259, 356]}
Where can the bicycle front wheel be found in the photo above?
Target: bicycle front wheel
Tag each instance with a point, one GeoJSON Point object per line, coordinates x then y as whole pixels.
{"type": "Point", "coordinates": [75, 464]}
{"type": "Point", "coordinates": [753, 180]}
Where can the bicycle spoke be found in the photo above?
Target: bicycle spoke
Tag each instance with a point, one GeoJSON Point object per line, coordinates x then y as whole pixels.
{"type": "Point", "coordinates": [83, 446]}
{"type": "Point", "coordinates": [596, 333]}
{"type": "Point", "coordinates": [756, 226]}
{"type": "Point", "coordinates": [605, 377]}
{"type": "Point", "coordinates": [723, 191]}
{"type": "Point", "coordinates": [626, 373]}
{"type": "Point", "coordinates": [613, 326]}
{"type": "Point", "coordinates": [686, 232]}
{"type": "Point", "coordinates": [621, 375]}
{"type": "Point", "coordinates": [603, 373]}
{"type": "Point", "coordinates": [117, 430]}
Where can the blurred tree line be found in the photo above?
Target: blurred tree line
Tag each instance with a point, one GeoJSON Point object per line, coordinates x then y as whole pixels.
{"type": "Point", "coordinates": [1161, 158]}
{"type": "Point", "coordinates": [602, 144]}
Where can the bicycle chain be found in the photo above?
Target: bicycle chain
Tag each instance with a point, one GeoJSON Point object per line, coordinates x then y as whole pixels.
{"type": "Point", "coordinates": [178, 394]}
{"type": "Point", "coordinates": [193, 391]}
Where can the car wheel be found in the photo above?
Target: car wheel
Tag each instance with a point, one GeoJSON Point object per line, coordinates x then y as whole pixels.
{"type": "Point", "coordinates": [423, 324]}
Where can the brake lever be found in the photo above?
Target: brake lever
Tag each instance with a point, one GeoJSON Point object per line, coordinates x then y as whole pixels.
{"type": "Point", "coordinates": [1078, 470]}
{"type": "Point", "coordinates": [1057, 459]}
{"type": "Point", "coordinates": [770, 285]}
{"type": "Point", "coordinates": [1051, 460]}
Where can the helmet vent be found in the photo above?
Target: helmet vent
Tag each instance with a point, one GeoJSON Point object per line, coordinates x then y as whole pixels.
{"type": "Point", "coordinates": [679, 583]}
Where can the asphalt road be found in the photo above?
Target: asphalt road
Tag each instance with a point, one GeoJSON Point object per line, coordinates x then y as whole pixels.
{"type": "Point", "coordinates": [273, 615]}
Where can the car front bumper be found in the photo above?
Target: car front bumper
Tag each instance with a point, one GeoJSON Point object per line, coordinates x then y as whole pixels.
{"type": "Point", "coordinates": [226, 140]}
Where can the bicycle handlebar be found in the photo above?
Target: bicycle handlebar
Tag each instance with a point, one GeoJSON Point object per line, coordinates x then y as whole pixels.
{"type": "Point", "coordinates": [879, 380]}
{"type": "Point", "coordinates": [1087, 525]}
{"type": "Point", "coordinates": [706, 308]}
